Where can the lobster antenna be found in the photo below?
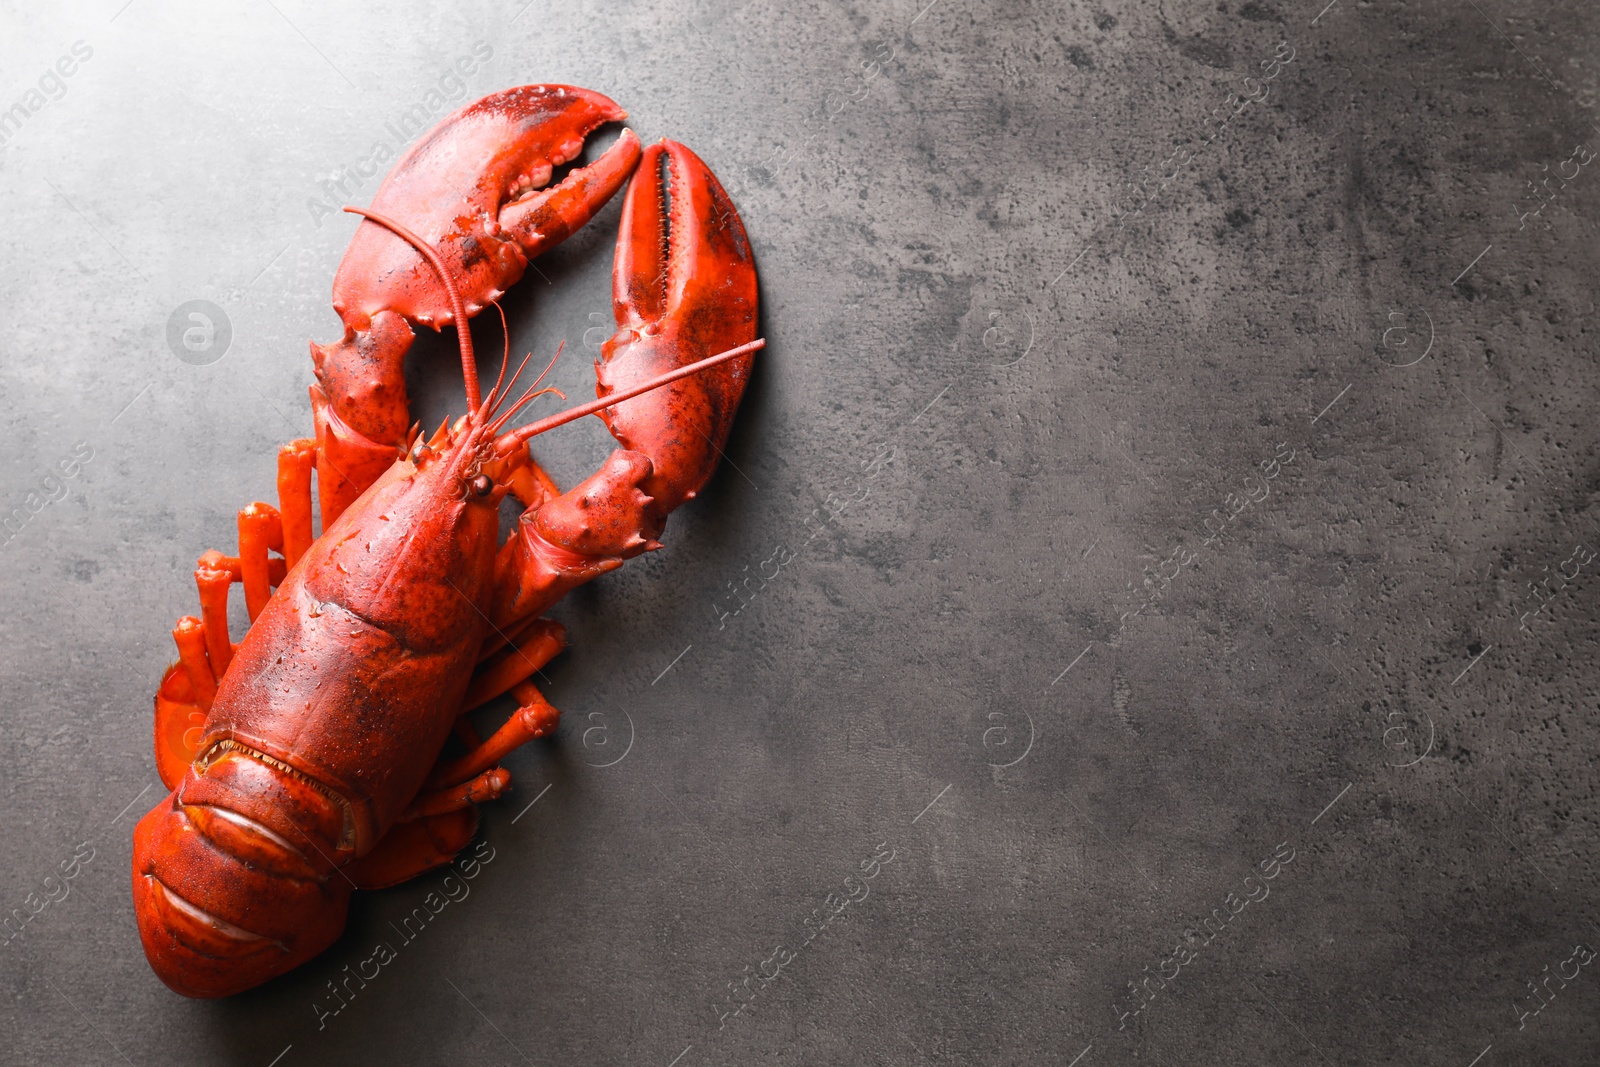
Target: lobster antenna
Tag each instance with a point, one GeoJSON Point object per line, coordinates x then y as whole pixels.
{"type": "Point", "coordinates": [559, 346]}
{"type": "Point", "coordinates": [526, 398]}
{"type": "Point", "coordinates": [533, 429]}
{"type": "Point", "coordinates": [505, 359]}
{"type": "Point", "coordinates": [495, 428]}
{"type": "Point", "coordinates": [498, 397]}
{"type": "Point", "coordinates": [530, 394]}
{"type": "Point", "coordinates": [469, 365]}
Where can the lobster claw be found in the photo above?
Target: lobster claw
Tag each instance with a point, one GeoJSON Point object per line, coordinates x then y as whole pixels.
{"type": "Point", "coordinates": [683, 288]}
{"type": "Point", "coordinates": [477, 189]}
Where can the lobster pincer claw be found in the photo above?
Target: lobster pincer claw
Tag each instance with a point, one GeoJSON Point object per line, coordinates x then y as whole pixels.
{"type": "Point", "coordinates": [683, 288]}
{"type": "Point", "coordinates": [477, 189]}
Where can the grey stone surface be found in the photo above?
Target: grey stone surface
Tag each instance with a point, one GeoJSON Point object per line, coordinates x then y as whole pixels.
{"type": "Point", "coordinates": [1018, 657]}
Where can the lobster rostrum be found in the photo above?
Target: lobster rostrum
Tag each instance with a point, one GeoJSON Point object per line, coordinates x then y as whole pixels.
{"type": "Point", "coordinates": [306, 761]}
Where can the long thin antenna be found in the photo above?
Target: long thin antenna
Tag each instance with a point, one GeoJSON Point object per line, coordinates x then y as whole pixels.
{"type": "Point", "coordinates": [505, 359]}
{"type": "Point", "coordinates": [494, 427]}
{"type": "Point", "coordinates": [469, 364]}
{"type": "Point", "coordinates": [533, 429]}
{"type": "Point", "coordinates": [496, 395]}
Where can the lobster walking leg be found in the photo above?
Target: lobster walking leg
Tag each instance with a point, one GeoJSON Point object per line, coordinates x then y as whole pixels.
{"type": "Point", "coordinates": [180, 717]}
{"type": "Point", "coordinates": [411, 848]}
{"type": "Point", "coordinates": [530, 648]}
{"type": "Point", "coordinates": [213, 576]}
{"type": "Point", "coordinates": [260, 533]}
{"type": "Point", "coordinates": [489, 785]}
{"type": "Point", "coordinates": [204, 646]}
{"type": "Point", "coordinates": [260, 529]}
{"type": "Point", "coordinates": [190, 636]}
{"type": "Point", "coordinates": [536, 717]}
{"type": "Point", "coordinates": [187, 691]}
{"type": "Point", "coordinates": [296, 460]}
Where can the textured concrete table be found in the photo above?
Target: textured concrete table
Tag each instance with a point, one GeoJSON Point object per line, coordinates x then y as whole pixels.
{"type": "Point", "coordinates": [1147, 615]}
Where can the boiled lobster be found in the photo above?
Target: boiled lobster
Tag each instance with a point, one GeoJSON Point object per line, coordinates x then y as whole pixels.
{"type": "Point", "coordinates": [306, 761]}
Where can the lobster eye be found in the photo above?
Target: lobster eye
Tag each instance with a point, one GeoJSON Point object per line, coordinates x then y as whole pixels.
{"type": "Point", "coordinates": [482, 485]}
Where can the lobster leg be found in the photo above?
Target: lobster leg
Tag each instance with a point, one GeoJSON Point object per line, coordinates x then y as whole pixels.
{"type": "Point", "coordinates": [180, 716]}
{"type": "Point", "coordinates": [190, 685]}
{"type": "Point", "coordinates": [260, 532]}
{"type": "Point", "coordinates": [489, 785]}
{"type": "Point", "coordinates": [213, 575]}
{"type": "Point", "coordinates": [190, 637]}
{"type": "Point", "coordinates": [296, 460]}
{"type": "Point", "coordinates": [536, 644]}
{"type": "Point", "coordinates": [205, 647]}
{"type": "Point", "coordinates": [411, 848]}
{"type": "Point", "coordinates": [436, 827]}
{"type": "Point", "coordinates": [536, 717]}
{"type": "Point", "coordinates": [259, 529]}
{"type": "Point", "coordinates": [507, 671]}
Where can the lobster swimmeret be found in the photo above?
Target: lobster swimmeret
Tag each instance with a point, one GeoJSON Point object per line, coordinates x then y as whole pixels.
{"type": "Point", "coordinates": [305, 761]}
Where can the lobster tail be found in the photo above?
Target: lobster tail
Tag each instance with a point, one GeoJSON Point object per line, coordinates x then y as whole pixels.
{"type": "Point", "coordinates": [231, 883]}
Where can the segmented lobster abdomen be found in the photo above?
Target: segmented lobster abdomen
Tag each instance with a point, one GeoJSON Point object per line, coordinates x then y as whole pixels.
{"type": "Point", "coordinates": [234, 874]}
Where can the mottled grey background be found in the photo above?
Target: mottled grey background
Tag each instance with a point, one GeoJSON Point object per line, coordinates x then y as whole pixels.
{"type": "Point", "coordinates": [1021, 412]}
